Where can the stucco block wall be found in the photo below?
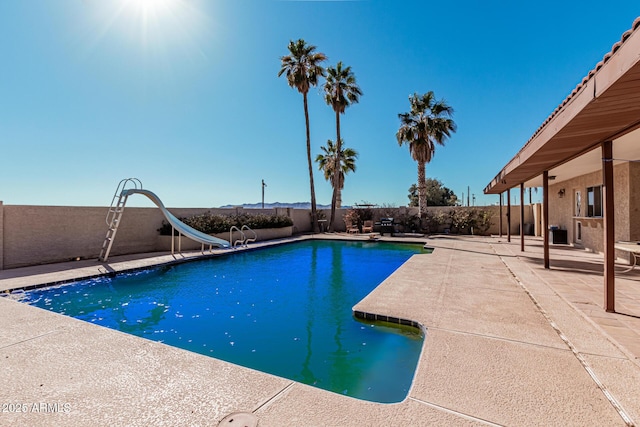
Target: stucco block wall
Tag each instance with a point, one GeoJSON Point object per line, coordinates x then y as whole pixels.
{"type": "Point", "coordinates": [302, 220]}
{"type": "Point", "coordinates": [47, 233]}
{"type": "Point", "coordinates": [529, 218]}
{"type": "Point", "coordinates": [44, 234]}
{"type": "Point", "coordinates": [31, 235]}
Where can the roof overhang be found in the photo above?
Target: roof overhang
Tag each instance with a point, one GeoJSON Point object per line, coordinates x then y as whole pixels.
{"type": "Point", "coordinates": [603, 107]}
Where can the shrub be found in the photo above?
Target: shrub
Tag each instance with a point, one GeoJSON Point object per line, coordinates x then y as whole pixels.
{"type": "Point", "coordinates": [365, 213]}
{"type": "Point", "coordinates": [432, 221]}
{"type": "Point", "coordinates": [388, 211]}
{"type": "Point", "coordinates": [470, 221]}
{"type": "Point", "coordinates": [352, 216]}
{"type": "Point", "coordinates": [460, 221]}
{"type": "Point", "coordinates": [409, 222]}
{"type": "Point", "coordinates": [213, 224]}
{"type": "Point", "coordinates": [481, 220]}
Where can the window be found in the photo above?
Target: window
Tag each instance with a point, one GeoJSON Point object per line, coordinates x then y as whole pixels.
{"type": "Point", "coordinates": [578, 211]}
{"type": "Point", "coordinates": [594, 201]}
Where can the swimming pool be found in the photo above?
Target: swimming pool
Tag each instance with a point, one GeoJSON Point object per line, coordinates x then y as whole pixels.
{"type": "Point", "coordinates": [285, 310]}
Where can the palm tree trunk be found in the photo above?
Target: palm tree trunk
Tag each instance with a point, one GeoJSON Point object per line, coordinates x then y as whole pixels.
{"type": "Point", "coordinates": [336, 172]}
{"type": "Point", "coordinates": [314, 213]}
{"type": "Point", "coordinates": [339, 192]}
{"type": "Point", "coordinates": [422, 189]}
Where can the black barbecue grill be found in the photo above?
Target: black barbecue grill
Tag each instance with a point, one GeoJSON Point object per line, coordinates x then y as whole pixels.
{"type": "Point", "coordinates": [386, 226]}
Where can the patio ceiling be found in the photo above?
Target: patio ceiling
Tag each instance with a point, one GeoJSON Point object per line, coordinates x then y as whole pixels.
{"type": "Point", "coordinates": [604, 106]}
{"type": "Point", "coordinates": [625, 148]}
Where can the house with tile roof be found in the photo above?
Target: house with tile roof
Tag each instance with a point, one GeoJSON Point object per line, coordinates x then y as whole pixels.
{"type": "Point", "coordinates": [586, 157]}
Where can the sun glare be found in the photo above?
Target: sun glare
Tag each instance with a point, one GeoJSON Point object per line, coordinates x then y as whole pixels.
{"type": "Point", "coordinates": [162, 32]}
{"type": "Point", "coordinates": [160, 22]}
{"type": "Point", "coordinates": [152, 7]}
{"type": "Point", "coordinates": [153, 13]}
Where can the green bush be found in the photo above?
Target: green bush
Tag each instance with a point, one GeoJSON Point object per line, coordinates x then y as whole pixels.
{"type": "Point", "coordinates": [470, 221]}
{"type": "Point", "coordinates": [433, 221]}
{"type": "Point", "coordinates": [214, 224]}
{"type": "Point", "coordinates": [352, 216]}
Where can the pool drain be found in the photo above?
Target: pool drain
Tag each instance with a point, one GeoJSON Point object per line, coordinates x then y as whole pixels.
{"type": "Point", "coordinates": [239, 419]}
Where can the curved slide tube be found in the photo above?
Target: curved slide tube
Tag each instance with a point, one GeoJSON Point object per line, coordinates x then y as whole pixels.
{"type": "Point", "coordinates": [182, 228]}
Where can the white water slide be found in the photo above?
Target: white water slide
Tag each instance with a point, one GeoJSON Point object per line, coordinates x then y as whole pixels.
{"type": "Point", "coordinates": [178, 225]}
{"type": "Point", "coordinates": [115, 214]}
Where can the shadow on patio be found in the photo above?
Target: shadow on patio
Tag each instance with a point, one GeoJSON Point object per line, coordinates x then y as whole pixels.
{"type": "Point", "coordinates": [577, 276]}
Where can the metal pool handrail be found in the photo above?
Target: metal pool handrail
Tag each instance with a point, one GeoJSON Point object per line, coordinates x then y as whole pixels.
{"type": "Point", "coordinates": [249, 239]}
{"type": "Point", "coordinates": [241, 240]}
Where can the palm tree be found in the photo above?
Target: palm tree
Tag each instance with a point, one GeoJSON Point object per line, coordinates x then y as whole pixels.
{"type": "Point", "coordinates": [413, 196]}
{"type": "Point", "coordinates": [427, 124]}
{"type": "Point", "coordinates": [327, 162]}
{"type": "Point", "coordinates": [341, 90]}
{"type": "Point", "coordinates": [302, 69]}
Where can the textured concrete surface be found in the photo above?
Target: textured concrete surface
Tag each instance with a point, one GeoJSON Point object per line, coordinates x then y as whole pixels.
{"type": "Point", "coordinates": [105, 377]}
{"type": "Point", "coordinates": [507, 343]}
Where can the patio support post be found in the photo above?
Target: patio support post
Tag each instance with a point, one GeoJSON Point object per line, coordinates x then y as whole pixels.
{"type": "Point", "coordinates": [522, 217]}
{"type": "Point", "coordinates": [508, 215]}
{"type": "Point", "coordinates": [609, 226]}
{"type": "Point", "coordinates": [500, 217]}
{"type": "Point", "coordinates": [545, 216]}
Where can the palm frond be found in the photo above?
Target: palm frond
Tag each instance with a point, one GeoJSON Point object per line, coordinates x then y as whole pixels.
{"type": "Point", "coordinates": [301, 66]}
{"type": "Point", "coordinates": [327, 161]}
{"type": "Point", "coordinates": [341, 89]}
{"type": "Point", "coordinates": [427, 124]}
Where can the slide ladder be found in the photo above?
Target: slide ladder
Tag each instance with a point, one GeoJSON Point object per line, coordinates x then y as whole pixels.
{"type": "Point", "coordinates": [114, 215]}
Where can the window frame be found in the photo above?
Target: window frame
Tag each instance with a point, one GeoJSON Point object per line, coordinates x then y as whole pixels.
{"type": "Point", "coordinates": [594, 202]}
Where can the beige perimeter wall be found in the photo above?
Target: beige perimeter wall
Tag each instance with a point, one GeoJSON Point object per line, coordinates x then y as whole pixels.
{"type": "Point", "coordinates": [31, 235]}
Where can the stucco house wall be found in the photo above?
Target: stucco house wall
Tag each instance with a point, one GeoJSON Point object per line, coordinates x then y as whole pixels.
{"type": "Point", "coordinates": [634, 201]}
{"type": "Point", "coordinates": [563, 208]}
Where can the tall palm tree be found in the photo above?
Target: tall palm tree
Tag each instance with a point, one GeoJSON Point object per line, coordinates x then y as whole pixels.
{"type": "Point", "coordinates": [327, 164]}
{"type": "Point", "coordinates": [302, 69]}
{"type": "Point", "coordinates": [428, 123]}
{"type": "Point", "coordinates": [341, 90]}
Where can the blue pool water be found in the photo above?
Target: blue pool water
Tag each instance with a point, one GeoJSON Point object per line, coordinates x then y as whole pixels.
{"type": "Point", "coordinates": [286, 310]}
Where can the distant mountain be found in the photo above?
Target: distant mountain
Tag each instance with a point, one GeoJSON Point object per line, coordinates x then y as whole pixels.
{"type": "Point", "coordinates": [298, 205]}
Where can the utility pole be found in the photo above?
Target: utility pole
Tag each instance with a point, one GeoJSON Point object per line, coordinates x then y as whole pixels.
{"type": "Point", "coordinates": [468, 196]}
{"type": "Point", "coordinates": [474, 199]}
{"type": "Point", "coordinates": [263, 185]}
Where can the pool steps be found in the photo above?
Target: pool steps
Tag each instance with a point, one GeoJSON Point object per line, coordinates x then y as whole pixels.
{"type": "Point", "coordinates": [390, 319]}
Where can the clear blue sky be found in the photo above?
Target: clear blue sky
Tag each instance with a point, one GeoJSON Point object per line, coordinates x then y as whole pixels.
{"type": "Point", "coordinates": [185, 95]}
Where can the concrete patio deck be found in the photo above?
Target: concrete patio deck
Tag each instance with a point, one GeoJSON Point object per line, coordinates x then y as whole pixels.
{"type": "Point", "coordinates": [507, 343]}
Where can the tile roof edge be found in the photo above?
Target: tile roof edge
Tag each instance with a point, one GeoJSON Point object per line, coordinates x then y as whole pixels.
{"type": "Point", "coordinates": [587, 78]}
